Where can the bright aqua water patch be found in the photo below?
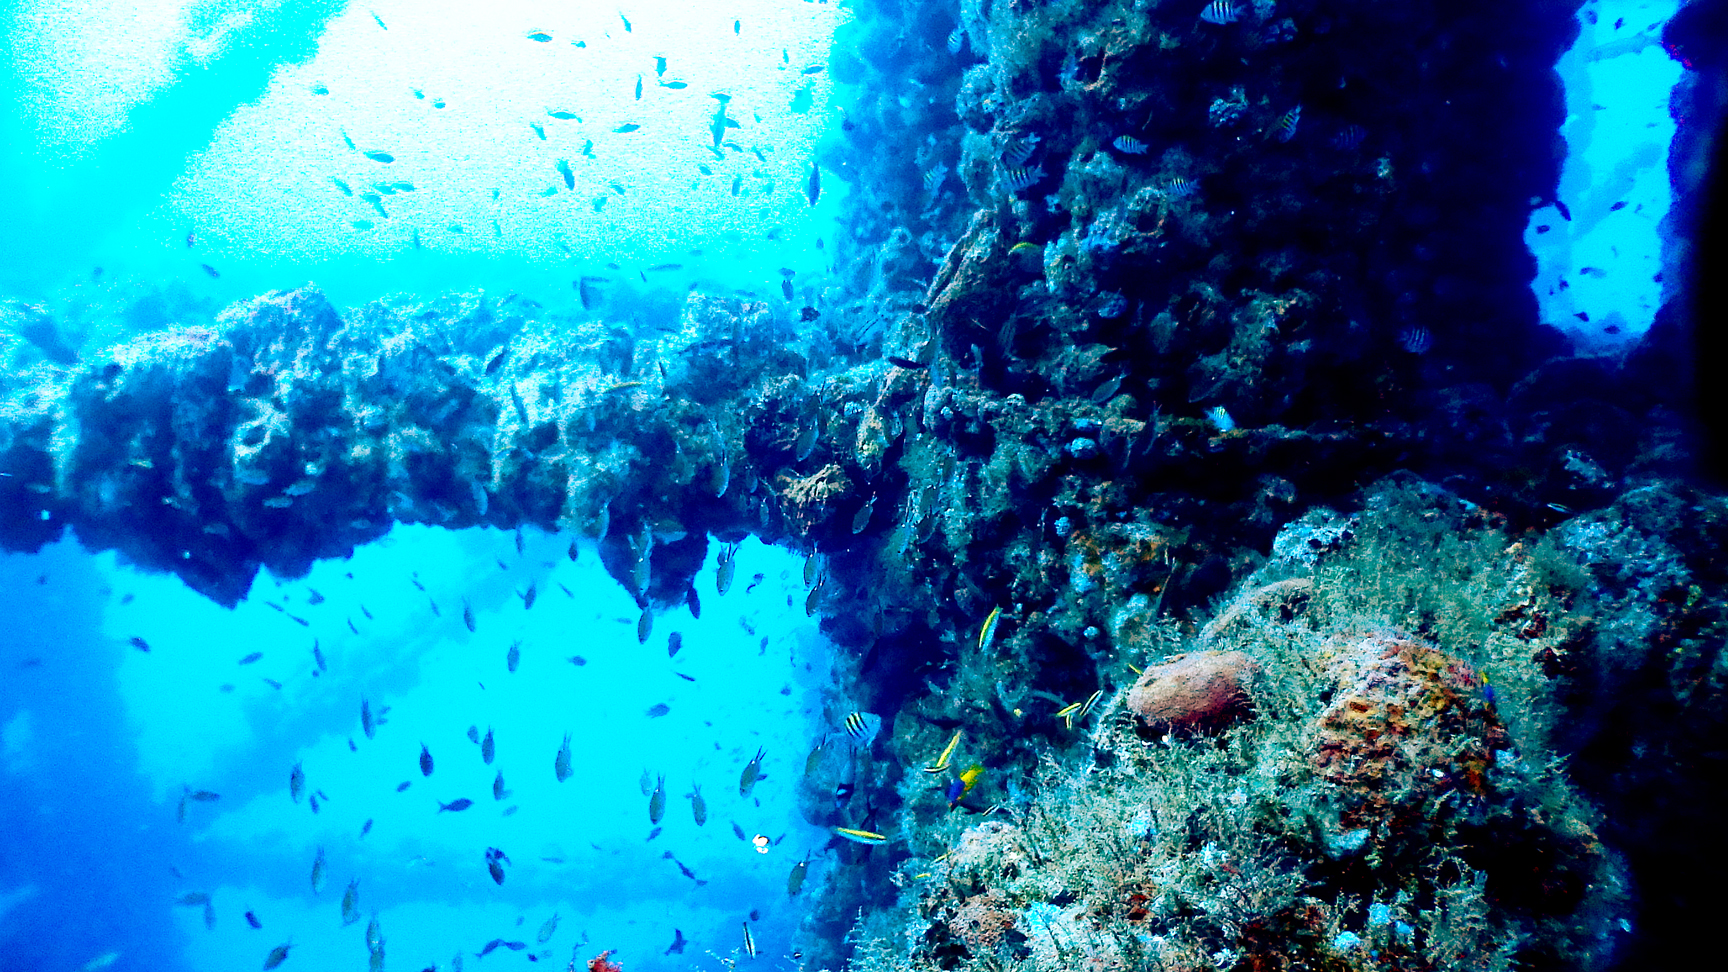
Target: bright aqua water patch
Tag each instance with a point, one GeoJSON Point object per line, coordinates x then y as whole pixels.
{"type": "Point", "coordinates": [206, 715]}
{"type": "Point", "coordinates": [402, 143]}
{"type": "Point", "coordinates": [1599, 263]}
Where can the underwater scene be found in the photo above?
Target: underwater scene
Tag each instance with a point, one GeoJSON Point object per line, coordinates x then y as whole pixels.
{"type": "Point", "coordinates": [862, 485]}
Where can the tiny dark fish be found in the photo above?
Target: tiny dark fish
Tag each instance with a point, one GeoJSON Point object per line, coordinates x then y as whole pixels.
{"type": "Point", "coordinates": [809, 313]}
{"type": "Point", "coordinates": [493, 944]}
{"type": "Point", "coordinates": [1565, 214]}
{"type": "Point", "coordinates": [405, 784]}
{"type": "Point", "coordinates": [569, 176]}
{"type": "Point", "coordinates": [366, 827]}
{"type": "Point", "coordinates": [207, 268]}
{"type": "Point", "coordinates": [380, 20]}
{"type": "Point", "coordinates": [192, 238]}
{"type": "Point", "coordinates": [813, 69]}
{"type": "Point", "coordinates": [468, 614]}
{"type": "Point", "coordinates": [659, 66]}
{"type": "Point", "coordinates": [425, 761]}
{"type": "Point", "coordinates": [674, 641]}
{"type": "Point", "coordinates": [384, 157]}
{"type": "Point", "coordinates": [678, 943]}
{"type": "Point", "coordinates": [249, 659]}
{"type": "Point", "coordinates": [252, 919]}
{"type": "Point", "coordinates": [496, 871]}
{"type": "Point", "coordinates": [486, 747]}
{"type": "Point", "coordinates": [906, 363]}
{"type": "Point", "coordinates": [674, 85]}
{"type": "Point", "coordinates": [628, 127]}
{"type": "Point", "coordinates": [813, 189]}
{"type": "Point", "coordinates": [657, 710]}
{"type": "Point", "coordinates": [1617, 206]}
{"type": "Point", "coordinates": [638, 87]}
{"type": "Point", "coordinates": [577, 660]}
{"type": "Point", "coordinates": [205, 796]}
{"type": "Point", "coordinates": [139, 643]}
{"type": "Point", "coordinates": [456, 806]}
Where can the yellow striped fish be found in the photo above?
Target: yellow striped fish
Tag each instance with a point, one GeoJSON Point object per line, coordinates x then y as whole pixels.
{"type": "Point", "coordinates": [941, 764]}
{"type": "Point", "coordinates": [987, 634]}
{"type": "Point", "coordinates": [860, 836]}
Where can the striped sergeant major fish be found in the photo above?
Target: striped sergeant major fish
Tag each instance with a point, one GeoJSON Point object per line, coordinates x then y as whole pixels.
{"type": "Point", "coordinates": [863, 727]}
{"type": "Point", "coordinates": [1221, 12]}
{"type": "Point", "coordinates": [1284, 129]}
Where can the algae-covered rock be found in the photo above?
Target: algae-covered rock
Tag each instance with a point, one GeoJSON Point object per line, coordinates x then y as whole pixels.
{"type": "Point", "coordinates": [1204, 690]}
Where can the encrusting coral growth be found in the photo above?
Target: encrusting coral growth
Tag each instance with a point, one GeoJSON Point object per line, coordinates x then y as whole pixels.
{"type": "Point", "coordinates": [1347, 775]}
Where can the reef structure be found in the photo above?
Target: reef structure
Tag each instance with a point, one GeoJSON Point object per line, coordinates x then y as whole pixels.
{"type": "Point", "coordinates": [1156, 296]}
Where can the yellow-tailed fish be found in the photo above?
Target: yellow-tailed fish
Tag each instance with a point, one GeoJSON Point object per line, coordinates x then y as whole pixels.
{"type": "Point", "coordinates": [987, 633]}
{"type": "Point", "coordinates": [860, 836]}
{"type": "Point", "coordinates": [941, 764]}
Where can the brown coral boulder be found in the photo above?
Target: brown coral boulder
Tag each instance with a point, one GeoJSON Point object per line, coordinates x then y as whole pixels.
{"type": "Point", "coordinates": [1203, 690]}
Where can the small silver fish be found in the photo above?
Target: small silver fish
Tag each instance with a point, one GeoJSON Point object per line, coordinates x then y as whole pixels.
{"type": "Point", "coordinates": [296, 782]}
{"type": "Point", "coordinates": [318, 872]}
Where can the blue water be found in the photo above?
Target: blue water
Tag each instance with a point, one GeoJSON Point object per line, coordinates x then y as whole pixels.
{"type": "Point", "coordinates": [99, 739]}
